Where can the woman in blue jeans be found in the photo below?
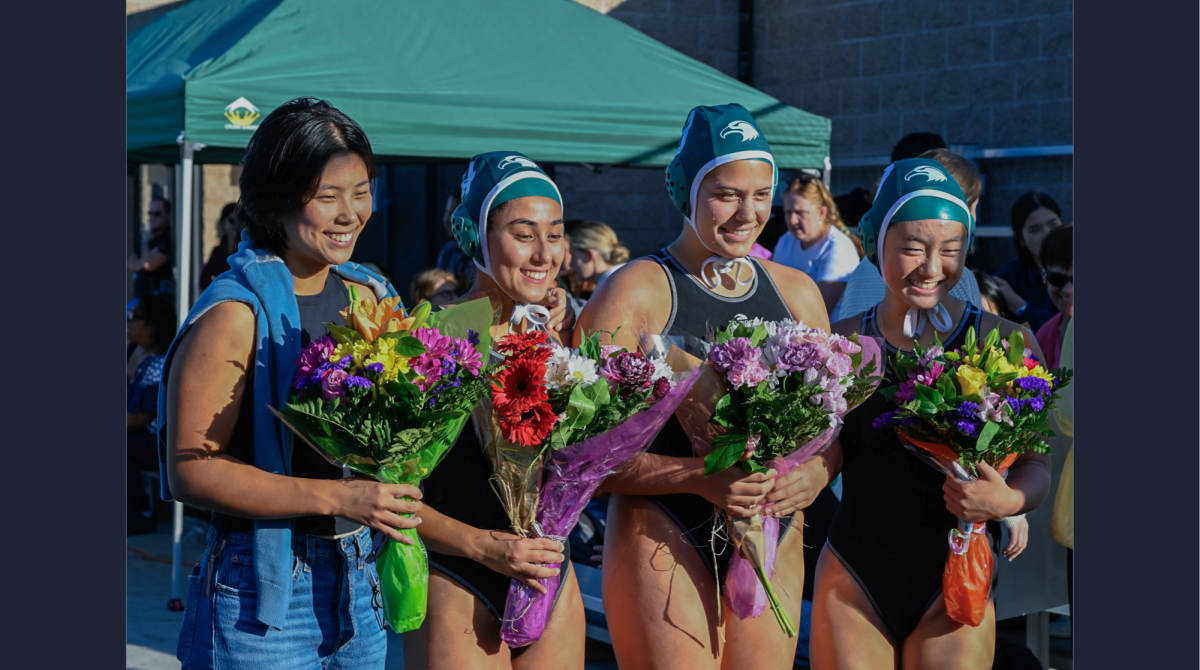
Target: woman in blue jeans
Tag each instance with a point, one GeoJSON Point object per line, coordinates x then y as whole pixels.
{"type": "Point", "coordinates": [288, 580]}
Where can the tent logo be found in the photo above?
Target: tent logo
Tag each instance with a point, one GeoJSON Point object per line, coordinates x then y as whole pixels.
{"type": "Point", "coordinates": [931, 173]}
{"type": "Point", "coordinates": [516, 160]}
{"type": "Point", "coordinates": [743, 128]}
{"type": "Point", "coordinates": [242, 115]}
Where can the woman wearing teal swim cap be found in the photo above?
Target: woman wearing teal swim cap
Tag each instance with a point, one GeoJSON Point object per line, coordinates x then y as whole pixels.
{"type": "Point", "coordinates": [877, 601]}
{"type": "Point", "coordinates": [510, 224]}
{"type": "Point", "coordinates": [660, 573]}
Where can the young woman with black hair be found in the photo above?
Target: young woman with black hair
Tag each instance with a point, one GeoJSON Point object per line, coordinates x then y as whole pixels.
{"type": "Point", "coordinates": [1034, 215]}
{"type": "Point", "coordinates": [510, 225]}
{"type": "Point", "coordinates": [288, 579]}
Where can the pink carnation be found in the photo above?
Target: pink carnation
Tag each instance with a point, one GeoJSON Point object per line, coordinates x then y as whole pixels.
{"type": "Point", "coordinates": [840, 365]}
{"type": "Point", "coordinates": [748, 374]}
{"type": "Point", "coordinates": [848, 347]}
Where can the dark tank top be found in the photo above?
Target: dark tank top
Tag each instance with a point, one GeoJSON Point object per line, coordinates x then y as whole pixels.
{"type": "Point", "coordinates": [315, 311]}
{"type": "Point", "coordinates": [695, 311]}
{"type": "Point", "coordinates": [891, 525]}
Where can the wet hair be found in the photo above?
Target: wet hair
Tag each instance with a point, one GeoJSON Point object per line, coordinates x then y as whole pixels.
{"type": "Point", "coordinates": [1058, 247]}
{"type": "Point", "coordinates": [424, 283]}
{"type": "Point", "coordinates": [158, 311]}
{"type": "Point", "coordinates": [990, 289]}
{"type": "Point", "coordinates": [282, 168]}
{"type": "Point", "coordinates": [585, 235]}
{"type": "Point", "coordinates": [913, 145]}
{"type": "Point", "coordinates": [963, 171]}
{"type": "Point", "coordinates": [812, 189]}
{"type": "Point", "coordinates": [1024, 206]}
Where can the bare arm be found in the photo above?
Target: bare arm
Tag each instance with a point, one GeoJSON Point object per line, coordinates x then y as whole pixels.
{"type": "Point", "coordinates": [524, 559]}
{"type": "Point", "coordinates": [802, 295]}
{"type": "Point", "coordinates": [204, 395]}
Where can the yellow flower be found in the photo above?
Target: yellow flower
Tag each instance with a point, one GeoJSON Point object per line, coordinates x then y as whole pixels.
{"type": "Point", "coordinates": [379, 351]}
{"type": "Point", "coordinates": [972, 380]}
{"type": "Point", "coordinates": [1005, 367]}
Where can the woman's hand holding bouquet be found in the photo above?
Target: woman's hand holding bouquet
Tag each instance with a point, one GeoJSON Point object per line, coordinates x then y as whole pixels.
{"type": "Point", "coordinates": [787, 389]}
{"type": "Point", "coordinates": [970, 413]}
{"type": "Point", "coordinates": [386, 395]}
{"type": "Point", "coordinates": [559, 421]}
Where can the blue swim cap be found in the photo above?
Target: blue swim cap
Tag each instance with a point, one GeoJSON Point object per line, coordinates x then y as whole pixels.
{"type": "Point", "coordinates": [491, 180]}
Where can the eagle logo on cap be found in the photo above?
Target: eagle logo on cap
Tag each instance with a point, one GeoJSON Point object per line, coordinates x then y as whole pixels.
{"type": "Point", "coordinates": [928, 171]}
{"type": "Point", "coordinates": [516, 160]}
{"type": "Point", "coordinates": [743, 128]}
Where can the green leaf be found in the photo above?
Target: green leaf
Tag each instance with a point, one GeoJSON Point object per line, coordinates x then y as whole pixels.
{"type": "Point", "coordinates": [343, 334]}
{"type": "Point", "coordinates": [890, 392]}
{"type": "Point", "coordinates": [758, 335]}
{"type": "Point", "coordinates": [945, 386]}
{"type": "Point", "coordinates": [589, 346]}
{"type": "Point", "coordinates": [726, 450]}
{"type": "Point", "coordinates": [723, 337]}
{"type": "Point", "coordinates": [926, 394]}
{"type": "Point", "coordinates": [992, 339]}
{"type": "Point", "coordinates": [752, 466]}
{"type": "Point", "coordinates": [409, 347]}
{"type": "Point", "coordinates": [985, 436]}
{"type": "Point", "coordinates": [951, 356]}
{"type": "Point", "coordinates": [1016, 348]}
{"type": "Point", "coordinates": [1000, 380]}
{"type": "Point", "coordinates": [725, 413]}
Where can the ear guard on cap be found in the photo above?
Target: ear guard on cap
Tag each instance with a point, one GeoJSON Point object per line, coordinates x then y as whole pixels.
{"type": "Point", "coordinates": [677, 186]}
{"type": "Point", "coordinates": [466, 233]}
{"type": "Point", "coordinates": [866, 234]}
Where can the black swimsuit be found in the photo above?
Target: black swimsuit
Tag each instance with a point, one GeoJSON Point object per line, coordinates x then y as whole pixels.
{"type": "Point", "coordinates": [460, 488]}
{"type": "Point", "coordinates": [891, 527]}
{"type": "Point", "coordinates": [694, 310]}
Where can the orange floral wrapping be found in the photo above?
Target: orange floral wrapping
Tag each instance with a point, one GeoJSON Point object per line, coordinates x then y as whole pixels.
{"type": "Point", "coordinates": [967, 579]}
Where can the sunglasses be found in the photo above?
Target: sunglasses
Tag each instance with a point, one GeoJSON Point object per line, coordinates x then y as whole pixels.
{"type": "Point", "coordinates": [1059, 279]}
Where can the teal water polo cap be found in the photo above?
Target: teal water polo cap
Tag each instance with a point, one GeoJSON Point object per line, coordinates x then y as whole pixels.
{"type": "Point", "coordinates": [913, 189]}
{"type": "Point", "coordinates": [714, 136]}
{"type": "Point", "coordinates": [491, 180]}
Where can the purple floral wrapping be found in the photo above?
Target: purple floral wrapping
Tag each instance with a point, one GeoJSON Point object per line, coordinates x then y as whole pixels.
{"type": "Point", "coordinates": [571, 477]}
{"type": "Point", "coordinates": [744, 591]}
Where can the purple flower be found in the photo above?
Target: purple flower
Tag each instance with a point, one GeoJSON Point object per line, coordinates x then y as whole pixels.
{"type": "Point", "coordinates": [466, 355]}
{"type": "Point", "coordinates": [334, 385]}
{"type": "Point", "coordinates": [750, 374]}
{"type": "Point", "coordinates": [473, 337]}
{"type": "Point", "coordinates": [968, 410]}
{"type": "Point", "coordinates": [1033, 384]}
{"type": "Point", "coordinates": [377, 368]}
{"type": "Point", "coordinates": [733, 353]}
{"type": "Point", "coordinates": [344, 363]}
{"type": "Point", "coordinates": [313, 357]}
{"type": "Point", "coordinates": [801, 356]}
{"type": "Point", "coordinates": [929, 377]}
{"type": "Point", "coordinates": [628, 369]}
{"type": "Point", "coordinates": [661, 388]}
{"type": "Point", "coordinates": [436, 344]}
{"type": "Point", "coordinates": [885, 420]}
{"type": "Point", "coordinates": [968, 427]}
{"type": "Point", "coordinates": [429, 368]}
{"type": "Point", "coordinates": [907, 391]}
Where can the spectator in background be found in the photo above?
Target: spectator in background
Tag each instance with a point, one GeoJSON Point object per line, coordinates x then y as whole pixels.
{"type": "Point", "coordinates": [866, 288]}
{"type": "Point", "coordinates": [451, 258]}
{"type": "Point", "coordinates": [151, 326]}
{"type": "Point", "coordinates": [596, 253]}
{"type": "Point", "coordinates": [817, 242]}
{"type": "Point", "coordinates": [227, 244]}
{"type": "Point", "coordinates": [435, 286]}
{"type": "Point", "coordinates": [1058, 269]}
{"type": "Point", "coordinates": [1034, 215]}
{"type": "Point", "coordinates": [154, 267]}
{"type": "Point", "coordinates": [992, 297]}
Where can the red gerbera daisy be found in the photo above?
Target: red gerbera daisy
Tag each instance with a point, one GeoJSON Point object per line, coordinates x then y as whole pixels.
{"type": "Point", "coordinates": [531, 427]}
{"type": "Point", "coordinates": [519, 386]}
{"type": "Point", "coordinates": [520, 346]}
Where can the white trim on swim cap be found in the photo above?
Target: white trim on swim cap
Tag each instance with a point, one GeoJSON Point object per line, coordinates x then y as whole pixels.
{"type": "Point", "coordinates": [714, 163]}
{"type": "Point", "coordinates": [487, 203]}
{"type": "Point", "coordinates": [887, 219]}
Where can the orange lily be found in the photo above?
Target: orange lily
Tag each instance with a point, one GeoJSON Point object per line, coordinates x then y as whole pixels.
{"type": "Point", "coordinates": [371, 318]}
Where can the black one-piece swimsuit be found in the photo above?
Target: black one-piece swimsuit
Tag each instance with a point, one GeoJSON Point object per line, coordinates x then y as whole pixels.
{"type": "Point", "coordinates": [460, 488]}
{"type": "Point", "coordinates": [694, 310]}
{"type": "Point", "coordinates": [892, 525]}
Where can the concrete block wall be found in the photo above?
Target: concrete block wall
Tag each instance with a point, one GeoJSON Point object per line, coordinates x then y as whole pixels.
{"type": "Point", "coordinates": [991, 73]}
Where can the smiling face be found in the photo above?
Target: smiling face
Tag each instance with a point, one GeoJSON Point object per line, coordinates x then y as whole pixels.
{"type": "Point", "coordinates": [733, 204]}
{"type": "Point", "coordinates": [1037, 225]}
{"type": "Point", "coordinates": [923, 260]}
{"type": "Point", "coordinates": [805, 219]}
{"type": "Point", "coordinates": [325, 229]}
{"type": "Point", "coordinates": [1062, 296]}
{"type": "Point", "coordinates": [526, 246]}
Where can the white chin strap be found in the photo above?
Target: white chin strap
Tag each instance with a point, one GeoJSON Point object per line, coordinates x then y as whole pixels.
{"type": "Point", "coordinates": [725, 266]}
{"type": "Point", "coordinates": [537, 316]}
{"type": "Point", "coordinates": [914, 320]}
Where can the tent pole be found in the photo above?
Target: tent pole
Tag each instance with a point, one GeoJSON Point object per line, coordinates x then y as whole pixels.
{"type": "Point", "coordinates": [183, 303]}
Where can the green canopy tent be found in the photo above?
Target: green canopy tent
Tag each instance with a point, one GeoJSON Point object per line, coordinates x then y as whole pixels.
{"type": "Point", "coordinates": [429, 82]}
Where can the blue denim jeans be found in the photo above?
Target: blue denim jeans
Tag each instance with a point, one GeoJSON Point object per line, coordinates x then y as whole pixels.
{"type": "Point", "coordinates": [335, 620]}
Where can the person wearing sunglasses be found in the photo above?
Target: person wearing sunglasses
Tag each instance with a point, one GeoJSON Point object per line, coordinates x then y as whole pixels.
{"type": "Point", "coordinates": [1058, 269]}
{"type": "Point", "coordinates": [153, 267]}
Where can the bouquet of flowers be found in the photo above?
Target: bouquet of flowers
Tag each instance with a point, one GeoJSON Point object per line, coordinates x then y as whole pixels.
{"type": "Point", "coordinates": [387, 396]}
{"type": "Point", "coordinates": [785, 390]}
{"type": "Point", "coordinates": [984, 403]}
{"type": "Point", "coordinates": [559, 421]}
